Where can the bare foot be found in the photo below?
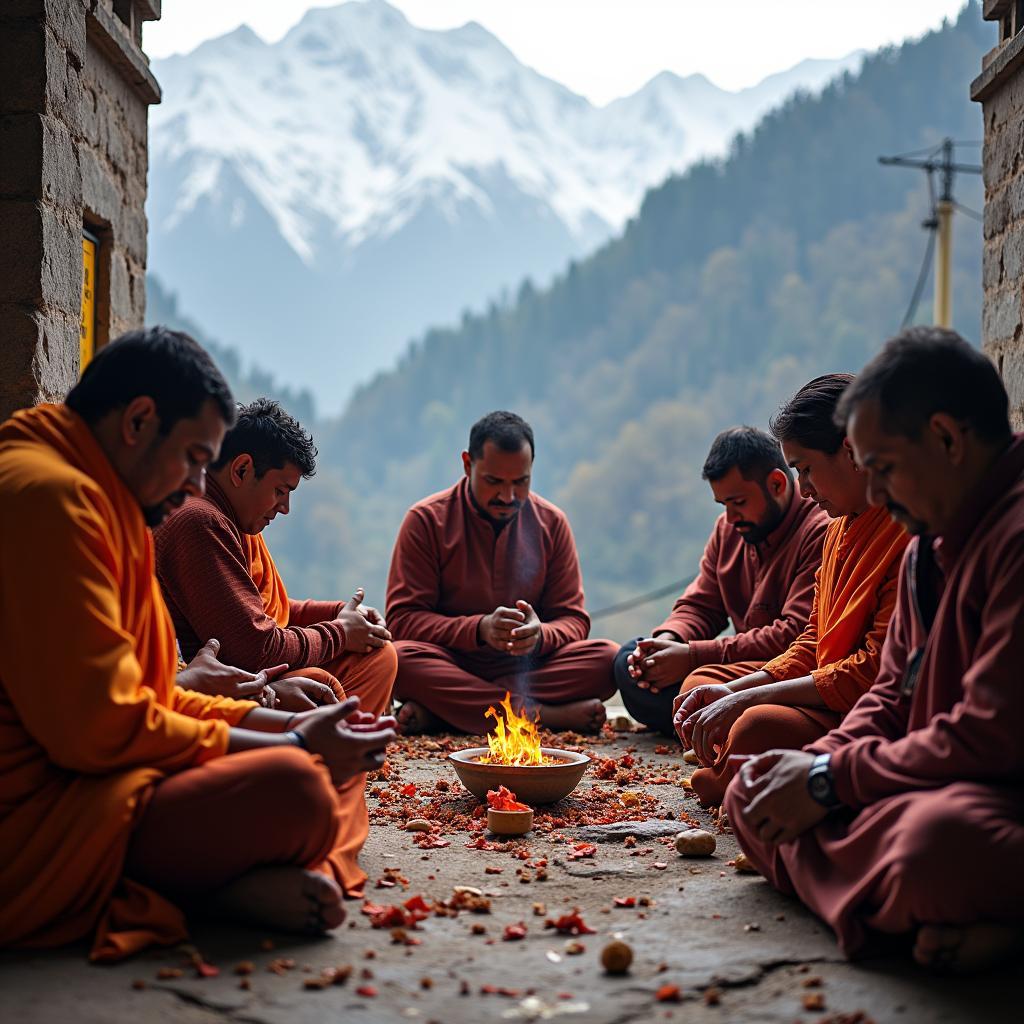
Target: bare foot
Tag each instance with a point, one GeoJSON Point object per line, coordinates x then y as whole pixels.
{"type": "Point", "coordinates": [966, 949]}
{"type": "Point", "coordinates": [288, 899]}
{"type": "Point", "coordinates": [416, 720]}
{"type": "Point", "coordinates": [578, 716]}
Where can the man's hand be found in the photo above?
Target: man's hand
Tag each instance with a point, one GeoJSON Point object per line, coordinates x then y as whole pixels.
{"type": "Point", "coordinates": [525, 638]}
{"type": "Point", "coordinates": [372, 615]}
{"type": "Point", "coordinates": [347, 740]}
{"type": "Point", "coordinates": [206, 674]}
{"type": "Point", "coordinates": [296, 693]}
{"type": "Point", "coordinates": [781, 807]}
{"type": "Point", "coordinates": [704, 718]}
{"type": "Point", "coordinates": [361, 633]}
{"type": "Point", "coordinates": [659, 662]}
{"type": "Point", "coordinates": [495, 630]}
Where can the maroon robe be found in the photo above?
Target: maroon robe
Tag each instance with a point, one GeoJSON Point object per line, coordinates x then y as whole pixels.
{"type": "Point", "coordinates": [928, 764]}
{"type": "Point", "coordinates": [764, 589]}
{"type": "Point", "coordinates": [449, 569]}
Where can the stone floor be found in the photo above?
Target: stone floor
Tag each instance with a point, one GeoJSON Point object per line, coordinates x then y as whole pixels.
{"type": "Point", "coordinates": [734, 949]}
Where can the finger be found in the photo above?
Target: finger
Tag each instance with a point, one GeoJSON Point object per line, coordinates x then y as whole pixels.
{"type": "Point", "coordinates": [253, 689]}
{"type": "Point", "coordinates": [356, 600]}
{"type": "Point", "coordinates": [275, 670]}
{"type": "Point", "coordinates": [509, 613]}
{"type": "Point", "coordinates": [373, 643]}
{"type": "Point", "coordinates": [319, 693]}
{"type": "Point", "coordinates": [380, 631]}
{"type": "Point", "coordinates": [337, 712]}
{"type": "Point", "coordinates": [212, 645]}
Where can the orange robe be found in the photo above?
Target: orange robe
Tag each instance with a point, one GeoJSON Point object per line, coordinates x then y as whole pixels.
{"type": "Point", "coordinates": [841, 648]}
{"type": "Point", "coordinates": [369, 676]}
{"type": "Point", "coordinates": [90, 714]}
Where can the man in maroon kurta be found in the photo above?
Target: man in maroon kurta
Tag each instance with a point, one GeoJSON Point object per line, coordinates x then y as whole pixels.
{"type": "Point", "coordinates": [485, 596]}
{"type": "Point", "coordinates": [757, 571]}
{"type": "Point", "coordinates": [909, 817]}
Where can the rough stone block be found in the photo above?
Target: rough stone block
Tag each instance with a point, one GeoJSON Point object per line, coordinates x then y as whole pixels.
{"type": "Point", "coordinates": [1001, 314]}
{"type": "Point", "coordinates": [1013, 378]}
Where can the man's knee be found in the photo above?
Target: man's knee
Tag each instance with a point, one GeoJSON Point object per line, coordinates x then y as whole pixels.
{"type": "Point", "coordinates": [385, 662]}
{"type": "Point", "coordinates": [621, 666]}
{"type": "Point", "coordinates": [292, 787]}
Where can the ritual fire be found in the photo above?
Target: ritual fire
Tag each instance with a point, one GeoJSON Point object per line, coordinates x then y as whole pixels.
{"type": "Point", "coordinates": [515, 758]}
{"type": "Point", "coordinates": [515, 740]}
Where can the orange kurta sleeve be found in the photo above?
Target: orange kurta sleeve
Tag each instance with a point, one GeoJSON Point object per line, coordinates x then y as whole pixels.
{"type": "Point", "coordinates": [203, 706]}
{"type": "Point", "coordinates": [842, 683]}
{"type": "Point", "coordinates": [801, 657]}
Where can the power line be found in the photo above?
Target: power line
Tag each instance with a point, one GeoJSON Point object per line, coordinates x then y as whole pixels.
{"type": "Point", "coordinates": [970, 213]}
{"type": "Point", "coordinates": [922, 277]}
{"type": "Point", "coordinates": [635, 602]}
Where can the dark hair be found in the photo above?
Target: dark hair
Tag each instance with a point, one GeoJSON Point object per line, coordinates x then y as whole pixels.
{"type": "Point", "coordinates": [272, 437]}
{"type": "Point", "coordinates": [167, 366]}
{"type": "Point", "coordinates": [925, 370]}
{"type": "Point", "coordinates": [507, 430]}
{"type": "Point", "coordinates": [750, 450]}
{"type": "Point", "coordinates": [808, 418]}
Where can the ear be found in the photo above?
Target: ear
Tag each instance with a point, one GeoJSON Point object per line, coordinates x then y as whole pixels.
{"type": "Point", "coordinates": [241, 470]}
{"type": "Point", "coordinates": [139, 421]}
{"type": "Point", "coordinates": [467, 463]}
{"type": "Point", "coordinates": [950, 435]}
{"type": "Point", "coordinates": [848, 448]}
{"type": "Point", "coordinates": [777, 483]}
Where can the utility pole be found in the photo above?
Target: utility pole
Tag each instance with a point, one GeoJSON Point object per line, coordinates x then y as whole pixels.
{"type": "Point", "coordinates": [939, 160]}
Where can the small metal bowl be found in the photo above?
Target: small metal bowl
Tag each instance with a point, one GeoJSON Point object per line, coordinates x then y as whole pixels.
{"type": "Point", "coordinates": [509, 823]}
{"type": "Point", "coordinates": [532, 784]}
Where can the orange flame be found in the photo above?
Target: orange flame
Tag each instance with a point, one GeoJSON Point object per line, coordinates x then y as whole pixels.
{"type": "Point", "coordinates": [515, 740]}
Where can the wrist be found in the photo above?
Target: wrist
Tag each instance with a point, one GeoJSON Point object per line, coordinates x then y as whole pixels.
{"type": "Point", "coordinates": [296, 739]}
{"type": "Point", "coordinates": [820, 782]}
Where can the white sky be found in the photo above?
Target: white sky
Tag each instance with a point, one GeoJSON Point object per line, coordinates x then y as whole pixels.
{"type": "Point", "coordinates": [609, 48]}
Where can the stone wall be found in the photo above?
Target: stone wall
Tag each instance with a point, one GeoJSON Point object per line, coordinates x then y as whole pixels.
{"type": "Point", "coordinates": [74, 94]}
{"type": "Point", "coordinates": [1000, 90]}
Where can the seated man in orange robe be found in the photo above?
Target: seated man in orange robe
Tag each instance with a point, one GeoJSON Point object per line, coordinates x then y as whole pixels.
{"type": "Point", "coordinates": [485, 597]}
{"type": "Point", "coordinates": [908, 820]}
{"type": "Point", "coordinates": [121, 793]}
{"type": "Point", "coordinates": [804, 692]}
{"type": "Point", "coordinates": [222, 588]}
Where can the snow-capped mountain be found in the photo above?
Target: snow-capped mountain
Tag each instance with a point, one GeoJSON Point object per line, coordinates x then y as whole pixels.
{"type": "Point", "coordinates": [331, 195]}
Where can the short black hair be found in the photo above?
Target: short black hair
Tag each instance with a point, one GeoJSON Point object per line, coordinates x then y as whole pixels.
{"type": "Point", "coordinates": [168, 366]}
{"type": "Point", "coordinates": [753, 452]}
{"type": "Point", "coordinates": [925, 370]}
{"type": "Point", "coordinates": [808, 418]}
{"type": "Point", "coordinates": [272, 437]}
{"type": "Point", "coordinates": [507, 430]}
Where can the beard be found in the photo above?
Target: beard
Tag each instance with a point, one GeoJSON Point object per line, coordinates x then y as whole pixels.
{"type": "Point", "coordinates": [915, 527]}
{"type": "Point", "coordinates": [757, 533]}
{"type": "Point", "coordinates": [154, 515]}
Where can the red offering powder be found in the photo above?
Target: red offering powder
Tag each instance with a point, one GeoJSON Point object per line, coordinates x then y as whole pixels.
{"type": "Point", "coordinates": [503, 799]}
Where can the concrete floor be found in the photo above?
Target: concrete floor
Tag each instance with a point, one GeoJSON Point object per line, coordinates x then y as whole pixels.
{"type": "Point", "coordinates": [708, 928]}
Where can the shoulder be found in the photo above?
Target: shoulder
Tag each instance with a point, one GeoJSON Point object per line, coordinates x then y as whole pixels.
{"type": "Point", "coordinates": [813, 520]}
{"type": "Point", "coordinates": [433, 511]}
{"type": "Point", "coordinates": [197, 518]}
{"type": "Point", "coordinates": [36, 484]}
{"type": "Point", "coordinates": [548, 514]}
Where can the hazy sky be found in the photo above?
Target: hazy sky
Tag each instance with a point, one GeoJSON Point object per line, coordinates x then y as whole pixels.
{"type": "Point", "coordinates": [609, 48]}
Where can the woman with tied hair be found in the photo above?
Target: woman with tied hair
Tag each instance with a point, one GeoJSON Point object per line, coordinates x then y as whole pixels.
{"type": "Point", "coordinates": [804, 693]}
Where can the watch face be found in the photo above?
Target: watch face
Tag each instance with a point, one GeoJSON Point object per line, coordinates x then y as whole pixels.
{"type": "Point", "coordinates": [820, 788]}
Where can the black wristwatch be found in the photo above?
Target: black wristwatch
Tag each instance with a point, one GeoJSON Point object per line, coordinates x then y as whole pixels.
{"type": "Point", "coordinates": [820, 783]}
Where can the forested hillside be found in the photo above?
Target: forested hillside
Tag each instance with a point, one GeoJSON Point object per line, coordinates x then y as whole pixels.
{"type": "Point", "coordinates": [735, 283]}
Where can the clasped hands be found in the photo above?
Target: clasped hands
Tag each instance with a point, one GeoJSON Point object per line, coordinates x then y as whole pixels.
{"type": "Point", "coordinates": [364, 627]}
{"type": "Point", "coordinates": [514, 631]}
{"type": "Point", "coordinates": [703, 717]}
{"type": "Point", "coordinates": [659, 662]}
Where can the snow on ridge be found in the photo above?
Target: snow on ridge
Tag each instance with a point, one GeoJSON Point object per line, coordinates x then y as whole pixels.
{"type": "Point", "coordinates": [356, 118]}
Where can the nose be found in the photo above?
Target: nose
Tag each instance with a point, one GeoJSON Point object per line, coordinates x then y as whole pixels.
{"type": "Point", "coordinates": [284, 506]}
{"type": "Point", "coordinates": [195, 483]}
{"type": "Point", "coordinates": [807, 488]}
{"type": "Point", "coordinates": [732, 515]}
{"type": "Point", "coordinates": [877, 494]}
{"type": "Point", "coordinates": [507, 494]}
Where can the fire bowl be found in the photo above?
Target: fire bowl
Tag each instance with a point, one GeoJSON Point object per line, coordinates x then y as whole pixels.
{"type": "Point", "coordinates": [532, 784]}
